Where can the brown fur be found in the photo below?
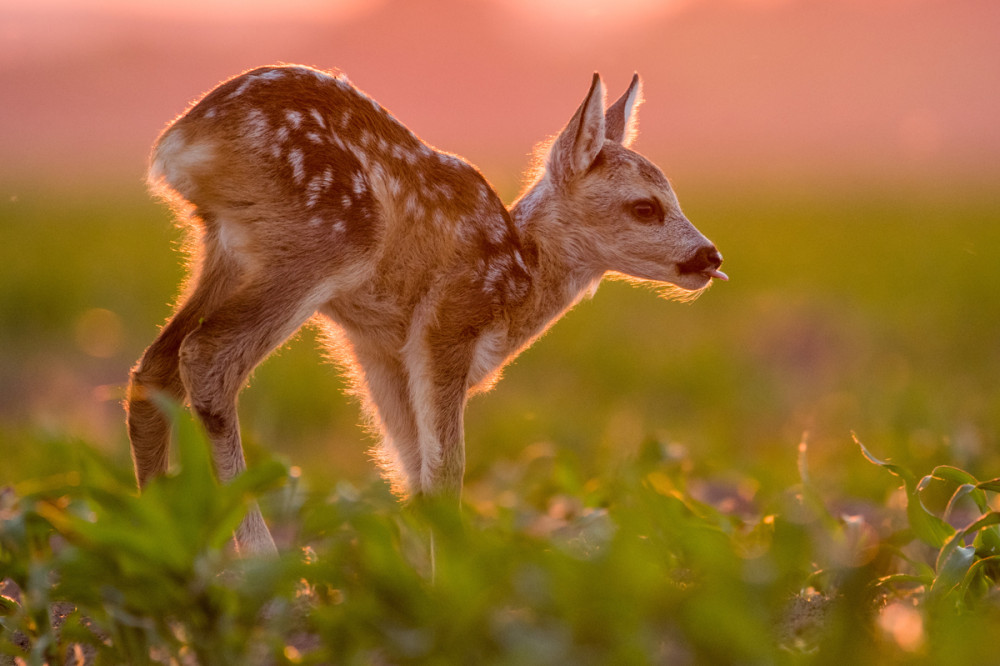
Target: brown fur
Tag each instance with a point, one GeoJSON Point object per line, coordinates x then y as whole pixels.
{"type": "Point", "coordinates": [306, 198]}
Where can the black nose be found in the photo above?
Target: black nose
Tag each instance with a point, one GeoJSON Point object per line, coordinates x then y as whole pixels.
{"type": "Point", "coordinates": [707, 258]}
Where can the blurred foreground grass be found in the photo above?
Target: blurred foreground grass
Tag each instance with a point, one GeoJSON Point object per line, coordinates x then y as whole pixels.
{"type": "Point", "coordinates": [665, 433]}
{"type": "Point", "coordinates": [626, 567]}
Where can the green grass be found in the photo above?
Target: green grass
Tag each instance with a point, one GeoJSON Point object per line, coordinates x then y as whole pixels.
{"type": "Point", "coordinates": [635, 489]}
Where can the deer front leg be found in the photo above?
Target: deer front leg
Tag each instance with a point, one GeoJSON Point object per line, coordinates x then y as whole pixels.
{"type": "Point", "coordinates": [438, 366]}
{"type": "Point", "coordinates": [386, 402]}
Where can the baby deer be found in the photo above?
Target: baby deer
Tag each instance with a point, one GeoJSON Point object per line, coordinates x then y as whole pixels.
{"type": "Point", "coordinates": [307, 198]}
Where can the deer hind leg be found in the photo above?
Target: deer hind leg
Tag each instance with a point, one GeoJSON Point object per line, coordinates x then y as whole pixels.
{"type": "Point", "coordinates": [217, 357]}
{"type": "Point", "coordinates": [157, 370]}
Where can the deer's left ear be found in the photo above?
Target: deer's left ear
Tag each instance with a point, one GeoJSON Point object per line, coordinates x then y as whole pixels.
{"type": "Point", "coordinates": [577, 146]}
{"type": "Point", "coordinates": [622, 118]}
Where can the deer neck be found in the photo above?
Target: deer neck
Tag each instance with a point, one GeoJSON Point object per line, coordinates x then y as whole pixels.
{"type": "Point", "coordinates": [560, 276]}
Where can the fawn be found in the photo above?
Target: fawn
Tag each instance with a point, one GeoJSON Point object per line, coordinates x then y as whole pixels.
{"type": "Point", "coordinates": [306, 198]}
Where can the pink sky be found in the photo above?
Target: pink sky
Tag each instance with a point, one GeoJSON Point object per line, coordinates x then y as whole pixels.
{"type": "Point", "coordinates": [766, 88]}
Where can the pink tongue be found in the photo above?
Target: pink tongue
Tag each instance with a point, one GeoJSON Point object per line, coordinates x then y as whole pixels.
{"type": "Point", "coordinates": [717, 274]}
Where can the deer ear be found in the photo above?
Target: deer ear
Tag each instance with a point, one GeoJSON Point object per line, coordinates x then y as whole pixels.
{"type": "Point", "coordinates": [577, 146]}
{"type": "Point", "coordinates": [622, 117]}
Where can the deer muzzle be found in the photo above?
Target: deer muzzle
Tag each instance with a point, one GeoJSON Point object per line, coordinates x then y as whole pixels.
{"type": "Point", "coordinates": [705, 261]}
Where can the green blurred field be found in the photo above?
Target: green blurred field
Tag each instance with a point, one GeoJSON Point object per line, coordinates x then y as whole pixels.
{"type": "Point", "coordinates": [865, 310]}
{"type": "Point", "coordinates": [633, 488]}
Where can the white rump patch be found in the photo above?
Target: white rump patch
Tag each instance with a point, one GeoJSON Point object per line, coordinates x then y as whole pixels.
{"type": "Point", "coordinates": [174, 160]}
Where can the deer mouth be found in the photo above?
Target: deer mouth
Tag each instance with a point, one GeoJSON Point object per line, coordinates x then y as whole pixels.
{"type": "Point", "coordinates": [705, 262]}
{"type": "Point", "coordinates": [716, 273]}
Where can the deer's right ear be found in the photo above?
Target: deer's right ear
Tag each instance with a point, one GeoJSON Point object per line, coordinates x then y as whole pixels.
{"type": "Point", "coordinates": [577, 146]}
{"type": "Point", "coordinates": [621, 118]}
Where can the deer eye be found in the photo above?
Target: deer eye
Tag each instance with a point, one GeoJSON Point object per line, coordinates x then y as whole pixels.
{"type": "Point", "coordinates": [647, 210]}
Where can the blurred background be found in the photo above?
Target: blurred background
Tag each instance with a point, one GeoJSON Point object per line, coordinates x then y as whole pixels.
{"type": "Point", "coordinates": [843, 154]}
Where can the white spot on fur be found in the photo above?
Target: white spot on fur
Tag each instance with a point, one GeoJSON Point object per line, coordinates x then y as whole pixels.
{"type": "Point", "coordinates": [280, 138]}
{"type": "Point", "coordinates": [272, 75]}
{"type": "Point", "coordinates": [496, 231]}
{"type": "Point", "coordinates": [520, 261]}
{"type": "Point", "coordinates": [494, 273]}
{"type": "Point", "coordinates": [242, 88]}
{"type": "Point", "coordinates": [294, 118]}
{"type": "Point", "coordinates": [444, 191]}
{"type": "Point", "coordinates": [339, 227]}
{"type": "Point", "coordinates": [318, 117]}
{"type": "Point", "coordinates": [360, 155]}
{"type": "Point", "coordinates": [345, 118]}
{"type": "Point", "coordinates": [319, 74]}
{"type": "Point", "coordinates": [317, 186]}
{"type": "Point", "coordinates": [413, 207]}
{"type": "Point", "coordinates": [395, 186]}
{"type": "Point", "coordinates": [314, 137]}
{"type": "Point", "coordinates": [297, 161]}
{"type": "Point", "coordinates": [232, 237]}
{"type": "Point", "coordinates": [257, 127]}
{"type": "Point", "coordinates": [346, 200]}
{"type": "Point", "coordinates": [211, 113]}
{"type": "Point", "coordinates": [358, 181]}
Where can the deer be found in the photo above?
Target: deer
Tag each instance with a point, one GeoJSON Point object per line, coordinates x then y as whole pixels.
{"type": "Point", "coordinates": [305, 200]}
